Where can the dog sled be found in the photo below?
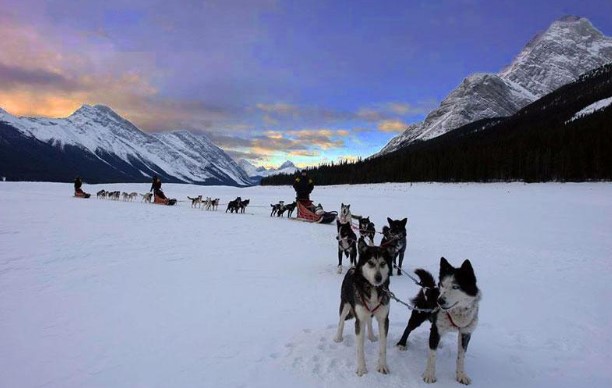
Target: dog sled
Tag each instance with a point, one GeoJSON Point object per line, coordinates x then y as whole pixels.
{"type": "Point", "coordinates": [307, 212]}
{"type": "Point", "coordinates": [81, 194]}
{"type": "Point", "coordinates": [162, 200]}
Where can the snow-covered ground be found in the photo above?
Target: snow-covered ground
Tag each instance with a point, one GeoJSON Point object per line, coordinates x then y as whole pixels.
{"type": "Point", "coordinates": [100, 293]}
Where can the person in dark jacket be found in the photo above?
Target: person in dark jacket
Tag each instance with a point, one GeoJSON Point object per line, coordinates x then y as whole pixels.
{"type": "Point", "coordinates": [303, 186]}
{"type": "Point", "coordinates": [156, 187]}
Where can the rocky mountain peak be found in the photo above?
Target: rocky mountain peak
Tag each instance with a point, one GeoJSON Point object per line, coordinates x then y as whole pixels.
{"type": "Point", "coordinates": [571, 46]}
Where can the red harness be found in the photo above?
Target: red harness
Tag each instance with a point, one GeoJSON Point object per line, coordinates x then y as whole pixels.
{"type": "Point", "coordinates": [368, 307]}
{"type": "Point", "coordinates": [451, 320]}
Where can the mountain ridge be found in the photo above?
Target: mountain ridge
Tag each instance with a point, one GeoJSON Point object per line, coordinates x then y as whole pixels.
{"type": "Point", "coordinates": [100, 134]}
{"type": "Point", "coordinates": [543, 65]}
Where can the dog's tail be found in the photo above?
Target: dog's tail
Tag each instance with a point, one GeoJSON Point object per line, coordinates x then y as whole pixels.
{"type": "Point", "coordinates": [427, 279]}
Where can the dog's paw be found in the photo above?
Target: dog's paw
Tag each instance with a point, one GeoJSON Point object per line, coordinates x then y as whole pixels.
{"type": "Point", "coordinates": [402, 347]}
{"type": "Point", "coordinates": [383, 368]}
{"type": "Point", "coordinates": [429, 377]}
{"type": "Point", "coordinates": [463, 378]}
{"type": "Point", "coordinates": [362, 370]}
{"type": "Point", "coordinates": [373, 338]}
{"type": "Point", "coordinates": [338, 339]}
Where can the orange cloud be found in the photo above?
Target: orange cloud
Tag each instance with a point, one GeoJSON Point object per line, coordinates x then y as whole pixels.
{"type": "Point", "coordinates": [392, 126]}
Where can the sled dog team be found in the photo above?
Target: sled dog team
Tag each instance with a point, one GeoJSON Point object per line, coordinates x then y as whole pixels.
{"type": "Point", "coordinates": [208, 203]}
{"type": "Point", "coordinates": [116, 195]}
{"type": "Point", "coordinates": [450, 306]}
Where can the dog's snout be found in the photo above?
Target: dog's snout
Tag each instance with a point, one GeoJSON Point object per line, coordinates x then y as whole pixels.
{"type": "Point", "coordinates": [378, 277]}
{"type": "Point", "coordinates": [441, 301]}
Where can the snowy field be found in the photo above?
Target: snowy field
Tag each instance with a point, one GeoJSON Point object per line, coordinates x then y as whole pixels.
{"type": "Point", "coordinates": [100, 293]}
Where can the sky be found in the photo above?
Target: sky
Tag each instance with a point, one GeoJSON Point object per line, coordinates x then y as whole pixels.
{"type": "Point", "coordinates": [267, 80]}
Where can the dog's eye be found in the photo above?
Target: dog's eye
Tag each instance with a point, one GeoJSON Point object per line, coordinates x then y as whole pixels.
{"type": "Point", "coordinates": [455, 287]}
{"type": "Point", "coordinates": [371, 264]}
{"type": "Point", "coordinates": [383, 264]}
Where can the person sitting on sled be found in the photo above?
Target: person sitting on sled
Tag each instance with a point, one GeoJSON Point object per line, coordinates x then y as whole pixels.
{"type": "Point", "coordinates": [78, 192]}
{"type": "Point", "coordinates": [303, 186]}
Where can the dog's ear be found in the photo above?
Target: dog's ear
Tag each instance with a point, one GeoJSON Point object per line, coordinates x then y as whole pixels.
{"type": "Point", "coordinates": [467, 278]}
{"type": "Point", "coordinates": [348, 206]}
{"type": "Point", "coordinates": [404, 222]}
{"type": "Point", "coordinates": [389, 220]}
{"type": "Point", "coordinates": [342, 205]}
{"type": "Point", "coordinates": [445, 268]}
{"type": "Point", "coordinates": [467, 267]}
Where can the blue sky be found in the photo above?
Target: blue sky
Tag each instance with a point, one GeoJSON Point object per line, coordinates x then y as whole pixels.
{"type": "Point", "coordinates": [310, 81]}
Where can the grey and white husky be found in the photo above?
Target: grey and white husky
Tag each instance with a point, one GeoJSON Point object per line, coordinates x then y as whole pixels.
{"type": "Point", "coordinates": [363, 296]}
{"type": "Point", "coordinates": [452, 306]}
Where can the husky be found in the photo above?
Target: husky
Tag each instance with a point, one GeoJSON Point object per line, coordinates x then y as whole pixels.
{"type": "Point", "coordinates": [364, 294]}
{"type": "Point", "coordinates": [197, 201]}
{"type": "Point", "coordinates": [344, 217]}
{"type": "Point", "coordinates": [215, 203]}
{"type": "Point", "coordinates": [367, 229]}
{"type": "Point", "coordinates": [124, 196]}
{"type": "Point", "coordinates": [206, 203]}
{"type": "Point", "coordinates": [132, 195]}
{"type": "Point", "coordinates": [242, 205]}
{"type": "Point", "coordinates": [146, 197]}
{"type": "Point", "coordinates": [290, 208]}
{"type": "Point", "coordinates": [394, 239]}
{"type": "Point", "coordinates": [347, 244]}
{"type": "Point", "coordinates": [101, 194]}
{"type": "Point", "coordinates": [234, 205]}
{"type": "Point", "coordinates": [452, 306]}
{"type": "Point", "coordinates": [276, 208]}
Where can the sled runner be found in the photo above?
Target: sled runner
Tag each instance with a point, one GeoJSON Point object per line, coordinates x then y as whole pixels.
{"type": "Point", "coordinates": [306, 212]}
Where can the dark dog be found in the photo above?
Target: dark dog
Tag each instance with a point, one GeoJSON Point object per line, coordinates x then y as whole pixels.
{"type": "Point", "coordinates": [290, 208]}
{"type": "Point", "coordinates": [347, 244]}
{"type": "Point", "coordinates": [367, 229]}
{"type": "Point", "coordinates": [453, 306]}
{"type": "Point", "coordinates": [234, 205]}
{"type": "Point", "coordinates": [394, 240]}
{"type": "Point", "coordinates": [242, 205]}
{"type": "Point", "coordinates": [276, 208]}
{"type": "Point", "coordinates": [364, 295]}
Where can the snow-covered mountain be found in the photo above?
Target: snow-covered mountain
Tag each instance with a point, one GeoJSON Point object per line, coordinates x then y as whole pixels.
{"type": "Point", "coordinates": [570, 47]}
{"type": "Point", "coordinates": [259, 172]}
{"type": "Point", "coordinates": [115, 147]}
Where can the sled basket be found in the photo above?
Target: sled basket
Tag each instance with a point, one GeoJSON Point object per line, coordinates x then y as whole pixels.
{"type": "Point", "coordinates": [306, 213]}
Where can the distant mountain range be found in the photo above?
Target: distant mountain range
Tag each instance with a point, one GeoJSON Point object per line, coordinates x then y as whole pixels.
{"type": "Point", "coordinates": [570, 47]}
{"type": "Point", "coordinates": [563, 136]}
{"type": "Point", "coordinates": [101, 146]}
{"type": "Point", "coordinates": [256, 173]}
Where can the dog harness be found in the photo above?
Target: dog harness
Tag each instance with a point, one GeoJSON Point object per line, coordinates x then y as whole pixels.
{"type": "Point", "coordinates": [372, 311]}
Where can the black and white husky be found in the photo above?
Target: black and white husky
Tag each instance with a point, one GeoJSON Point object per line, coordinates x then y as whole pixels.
{"type": "Point", "coordinates": [363, 296]}
{"type": "Point", "coordinates": [345, 216]}
{"type": "Point", "coordinates": [367, 229]}
{"type": "Point", "coordinates": [394, 240]}
{"type": "Point", "coordinates": [347, 244]}
{"type": "Point", "coordinates": [453, 306]}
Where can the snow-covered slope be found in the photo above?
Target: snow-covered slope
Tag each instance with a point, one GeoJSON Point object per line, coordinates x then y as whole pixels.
{"type": "Point", "coordinates": [103, 134]}
{"type": "Point", "coordinates": [570, 47]}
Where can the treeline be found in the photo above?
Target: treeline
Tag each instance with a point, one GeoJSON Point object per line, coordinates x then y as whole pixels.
{"type": "Point", "coordinates": [539, 143]}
